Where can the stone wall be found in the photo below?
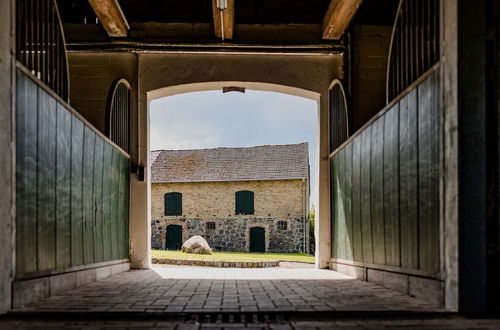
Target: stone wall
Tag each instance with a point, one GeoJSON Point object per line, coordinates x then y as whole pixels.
{"type": "Point", "coordinates": [233, 234]}
{"type": "Point", "coordinates": [202, 202]}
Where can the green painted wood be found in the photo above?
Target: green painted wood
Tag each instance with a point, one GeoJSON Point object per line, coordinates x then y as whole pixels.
{"type": "Point", "coordinates": [46, 188]}
{"type": "Point", "coordinates": [173, 202]}
{"type": "Point", "coordinates": [72, 188]}
{"type": "Point", "coordinates": [349, 250]}
{"type": "Point", "coordinates": [97, 204]}
{"type": "Point", "coordinates": [391, 187]}
{"type": "Point", "coordinates": [377, 191]}
{"type": "Point", "coordinates": [244, 203]}
{"type": "Point", "coordinates": [115, 227]}
{"type": "Point", "coordinates": [126, 207]}
{"type": "Point", "coordinates": [122, 207]}
{"type": "Point", "coordinates": [76, 191]}
{"type": "Point", "coordinates": [366, 225]}
{"type": "Point", "coordinates": [106, 200]}
{"type": "Point", "coordinates": [257, 239]}
{"type": "Point", "coordinates": [63, 188]}
{"type": "Point", "coordinates": [88, 201]}
{"type": "Point", "coordinates": [408, 185]}
{"type": "Point", "coordinates": [356, 200]}
{"type": "Point", "coordinates": [428, 174]}
{"type": "Point", "coordinates": [26, 171]}
{"type": "Point", "coordinates": [341, 217]}
{"type": "Point", "coordinates": [385, 187]}
{"type": "Point", "coordinates": [333, 206]}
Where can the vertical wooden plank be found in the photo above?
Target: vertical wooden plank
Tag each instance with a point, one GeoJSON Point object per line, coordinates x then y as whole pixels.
{"type": "Point", "coordinates": [391, 186]}
{"type": "Point", "coordinates": [26, 175]}
{"type": "Point", "coordinates": [334, 207]}
{"type": "Point", "coordinates": [63, 188]}
{"type": "Point", "coordinates": [121, 207]}
{"type": "Point", "coordinates": [124, 206]}
{"type": "Point", "coordinates": [341, 204]}
{"type": "Point", "coordinates": [76, 191]}
{"type": "Point", "coordinates": [106, 200]}
{"type": "Point", "coordinates": [408, 187]}
{"type": "Point", "coordinates": [97, 203]}
{"type": "Point", "coordinates": [366, 225]}
{"type": "Point", "coordinates": [428, 173]}
{"type": "Point", "coordinates": [114, 205]}
{"type": "Point", "coordinates": [348, 203]}
{"type": "Point", "coordinates": [377, 191]}
{"type": "Point", "coordinates": [356, 199]}
{"type": "Point", "coordinates": [88, 201]}
{"type": "Point", "coordinates": [46, 185]}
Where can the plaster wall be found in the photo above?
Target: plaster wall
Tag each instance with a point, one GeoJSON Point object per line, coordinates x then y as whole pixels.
{"type": "Point", "coordinates": [449, 147]}
{"type": "Point", "coordinates": [309, 76]}
{"type": "Point", "coordinates": [162, 74]}
{"type": "Point", "coordinates": [7, 159]}
{"type": "Point", "coordinates": [368, 64]}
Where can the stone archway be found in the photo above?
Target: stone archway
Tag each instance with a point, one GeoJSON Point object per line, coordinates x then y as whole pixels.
{"type": "Point", "coordinates": [163, 74]}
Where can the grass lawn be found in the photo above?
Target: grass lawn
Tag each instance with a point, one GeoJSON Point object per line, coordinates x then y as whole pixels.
{"type": "Point", "coordinates": [235, 256]}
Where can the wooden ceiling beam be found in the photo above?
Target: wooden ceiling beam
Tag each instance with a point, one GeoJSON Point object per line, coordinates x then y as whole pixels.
{"type": "Point", "coordinates": [338, 17]}
{"type": "Point", "coordinates": [223, 28]}
{"type": "Point", "coordinates": [111, 17]}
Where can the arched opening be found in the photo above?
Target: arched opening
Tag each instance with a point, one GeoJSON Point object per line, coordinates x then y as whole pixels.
{"type": "Point", "coordinates": [208, 210]}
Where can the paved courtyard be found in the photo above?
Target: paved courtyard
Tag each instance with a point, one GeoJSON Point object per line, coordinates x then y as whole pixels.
{"type": "Point", "coordinates": [177, 289]}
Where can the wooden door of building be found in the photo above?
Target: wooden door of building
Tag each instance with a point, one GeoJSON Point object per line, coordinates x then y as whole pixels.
{"type": "Point", "coordinates": [257, 239]}
{"type": "Point", "coordinates": [174, 237]}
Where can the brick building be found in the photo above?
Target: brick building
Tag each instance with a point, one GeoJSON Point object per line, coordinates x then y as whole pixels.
{"type": "Point", "coordinates": [239, 199]}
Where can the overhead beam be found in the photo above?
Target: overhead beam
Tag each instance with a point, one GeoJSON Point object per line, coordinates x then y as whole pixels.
{"type": "Point", "coordinates": [338, 17]}
{"type": "Point", "coordinates": [224, 27]}
{"type": "Point", "coordinates": [111, 16]}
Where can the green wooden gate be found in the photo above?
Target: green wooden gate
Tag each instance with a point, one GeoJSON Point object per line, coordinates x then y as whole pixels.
{"type": "Point", "coordinates": [257, 239]}
{"type": "Point", "coordinates": [174, 237]}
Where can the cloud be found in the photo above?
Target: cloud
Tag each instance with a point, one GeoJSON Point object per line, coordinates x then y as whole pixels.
{"type": "Point", "coordinates": [212, 119]}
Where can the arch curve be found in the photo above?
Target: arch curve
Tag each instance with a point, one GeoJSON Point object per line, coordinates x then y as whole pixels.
{"type": "Point", "coordinates": [338, 117]}
{"type": "Point", "coordinates": [218, 85]}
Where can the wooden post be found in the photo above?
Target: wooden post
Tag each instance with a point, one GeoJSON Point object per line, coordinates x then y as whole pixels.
{"type": "Point", "coordinates": [7, 159]}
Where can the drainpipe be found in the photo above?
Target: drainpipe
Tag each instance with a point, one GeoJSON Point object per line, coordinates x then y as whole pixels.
{"type": "Point", "coordinates": [304, 215]}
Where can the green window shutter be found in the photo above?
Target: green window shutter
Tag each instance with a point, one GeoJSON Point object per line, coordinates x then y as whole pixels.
{"type": "Point", "coordinates": [173, 203]}
{"type": "Point", "coordinates": [244, 202]}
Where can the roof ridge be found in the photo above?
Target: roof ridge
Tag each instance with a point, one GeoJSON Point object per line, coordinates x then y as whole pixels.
{"type": "Point", "coordinates": [225, 148]}
{"type": "Point", "coordinates": [262, 162]}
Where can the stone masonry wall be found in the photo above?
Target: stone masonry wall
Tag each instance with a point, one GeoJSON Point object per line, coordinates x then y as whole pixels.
{"type": "Point", "coordinates": [214, 202]}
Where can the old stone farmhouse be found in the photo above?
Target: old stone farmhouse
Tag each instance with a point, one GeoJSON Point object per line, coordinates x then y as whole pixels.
{"type": "Point", "coordinates": [239, 199]}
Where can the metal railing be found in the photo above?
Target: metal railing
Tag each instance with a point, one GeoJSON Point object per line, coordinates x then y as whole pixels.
{"type": "Point", "coordinates": [414, 45]}
{"type": "Point", "coordinates": [118, 119]}
{"type": "Point", "coordinates": [40, 44]}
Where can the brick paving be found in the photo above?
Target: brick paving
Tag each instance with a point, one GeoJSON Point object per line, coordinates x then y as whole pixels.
{"type": "Point", "coordinates": [180, 297]}
{"type": "Point", "coordinates": [184, 289]}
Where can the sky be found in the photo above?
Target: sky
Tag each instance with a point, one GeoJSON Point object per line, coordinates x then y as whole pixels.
{"type": "Point", "coordinates": [211, 119]}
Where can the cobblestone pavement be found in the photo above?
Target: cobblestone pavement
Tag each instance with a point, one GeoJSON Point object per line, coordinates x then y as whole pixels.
{"type": "Point", "coordinates": [176, 289]}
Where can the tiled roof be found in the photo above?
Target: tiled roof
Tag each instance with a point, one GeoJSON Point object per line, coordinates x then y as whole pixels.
{"type": "Point", "coordinates": [268, 162]}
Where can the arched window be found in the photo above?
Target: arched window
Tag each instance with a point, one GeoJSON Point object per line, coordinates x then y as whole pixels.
{"type": "Point", "coordinates": [338, 121]}
{"type": "Point", "coordinates": [244, 202]}
{"type": "Point", "coordinates": [118, 116]}
{"type": "Point", "coordinates": [173, 203]}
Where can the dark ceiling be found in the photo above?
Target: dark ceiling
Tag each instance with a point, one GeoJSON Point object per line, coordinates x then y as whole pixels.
{"type": "Point", "coordinates": [253, 19]}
